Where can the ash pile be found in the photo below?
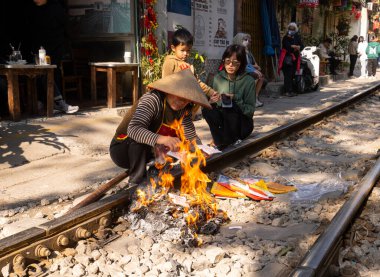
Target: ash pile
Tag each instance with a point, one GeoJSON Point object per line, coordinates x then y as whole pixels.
{"type": "Point", "coordinates": [171, 217]}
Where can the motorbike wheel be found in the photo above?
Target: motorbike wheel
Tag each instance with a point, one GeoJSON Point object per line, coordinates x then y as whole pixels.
{"type": "Point", "coordinates": [301, 84]}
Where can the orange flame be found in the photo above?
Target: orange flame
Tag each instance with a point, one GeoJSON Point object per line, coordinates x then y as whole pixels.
{"type": "Point", "coordinates": [193, 181]}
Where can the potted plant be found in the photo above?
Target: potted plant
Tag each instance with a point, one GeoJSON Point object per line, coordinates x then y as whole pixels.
{"type": "Point", "coordinates": [343, 26]}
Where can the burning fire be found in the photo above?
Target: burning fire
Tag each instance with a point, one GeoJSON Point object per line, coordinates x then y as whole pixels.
{"type": "Point", "coordinates": [193, 182]}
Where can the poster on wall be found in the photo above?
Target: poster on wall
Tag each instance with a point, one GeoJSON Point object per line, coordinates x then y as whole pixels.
{"type": "Point", "coordinates": [99, 17]}
{"type": "Point", "coordinates": [213, 26]}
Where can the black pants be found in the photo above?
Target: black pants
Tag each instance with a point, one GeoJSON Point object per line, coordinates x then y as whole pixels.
{"type": "Point", "coordinates": [333, 64]}
{"type": "Point", "coordinates": [289, 72]}
{"type": "Point", "coordinates": [372, 66]}
{"type": "Point", "coordinates": [133, 156]}
{"type": "Point", "coordinates": [353, 59]}
{"type": "Point", "coordinates": [227, 125]}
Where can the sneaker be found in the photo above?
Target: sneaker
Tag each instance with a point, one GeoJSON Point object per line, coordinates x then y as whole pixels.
{"type": "Point", "coordinates": [62, 106]}
{"type": "Point", "coordinates": [259, 104]}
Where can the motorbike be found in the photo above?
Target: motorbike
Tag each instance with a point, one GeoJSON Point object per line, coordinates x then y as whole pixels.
{"type": "Point", "coordinates": [307, 78]}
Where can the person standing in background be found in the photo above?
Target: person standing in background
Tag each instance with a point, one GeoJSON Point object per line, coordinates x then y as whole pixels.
{"type": "Point", "coordinates": [353, 52]}
{"type": "Point", "coordinates": [362, 47]}
{"type": "Point", "coordinates": [289, 60]}
{"type": "Point", "coordinates": [372, 51]}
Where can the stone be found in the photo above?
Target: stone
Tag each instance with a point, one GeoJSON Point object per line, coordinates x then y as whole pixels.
{"type": "Point", "coordinates": [146, 244]}
{"type": "Point", "coordinates": [81, 248]}
{"type": "Point", "coordinates": [357, 250]}
{"type": "Point", "coordinates": [166, 267]}
{"type": "Point", "coordinates": [39, 215]}
{"type": "Point", "coordinates": [200, 263]}
{"type": "Point", "coordinates": [215, 254]}
{"type": "Point", "coordinates": [113, 256]}
{"type": "Point", "coordinates": [222, 269]}
{"type": "Point", "coordinates": [188, 265]}
{"type": "Point", "coordinates": [234, 273]}
{"type": "Point", "coordinates": [69, 252]}
{"type": "Point", "coordinates": [96, 254]}
{"type": "Point", "coordinates": [130, 267]}
{"type": "Point", "coordinates": [45, 202]}
{"type": "Point", "coordinates": [54, 267]}
{"type": "Point", "coordinates": [318, 208]}
{"type": "Point", "coordinates": [93, 268]}
{"type": "Point", "coordinates": [144, 269]}
{"type": "Point", "coordinates": [5, 270]}
{"type": "Point", "coordinates": [255, 266]}
{"type": "Point", "coordinates": [241, 234]}
{"type": "Point", "coordinates": [278, 222]}
{"type": "Point", "coordinates": [263, 169]}
{"type": "Point", "coordinates": [66, 271]}
{"type": "Point", "coordinates": [83, 259]}
{"type": "Point", "coordinates": [313, 216]}
{"type": "Point", "coordinates": [11, 212]}
{"type": "Point", "coordinates": [78, 270]}
{"type": "Point", "coordinates": [125, 259]}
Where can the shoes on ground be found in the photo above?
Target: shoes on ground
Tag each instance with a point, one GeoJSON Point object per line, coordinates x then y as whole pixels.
{"type": "Point", "coordinates": [259, 104]}
{"type": "Point", "coordinates": [289, 94]}
{"type": "Point", "coordinates": [62, 106]}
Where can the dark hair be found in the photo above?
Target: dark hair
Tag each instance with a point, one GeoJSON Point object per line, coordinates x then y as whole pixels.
{"type": "Point", "coordinates": [240, 55]}
{"type": "Point", "coordinates": [361, 37]}
{"type": "Point", "coordinates": [329, 40]}
{"type": "Point", "coordinates": [354, 38]}
{"type": "Point", "coordinates": [182, 36]}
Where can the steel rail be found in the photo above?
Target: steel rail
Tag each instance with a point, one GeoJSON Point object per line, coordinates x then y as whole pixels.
{"type": "Point", "coordinates": [320, 255]}
{"type": "Point", "coordinates": [25, 240]}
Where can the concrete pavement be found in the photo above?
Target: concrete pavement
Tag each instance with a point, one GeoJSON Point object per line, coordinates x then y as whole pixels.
{"type": "Point", "coordinates": [47, 158]}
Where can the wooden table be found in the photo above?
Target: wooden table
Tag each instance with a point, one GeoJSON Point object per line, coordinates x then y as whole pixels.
{"type": "Point", "coordinates": [13, 71]}
{"type": "Point", "coordinates": [112, 68]}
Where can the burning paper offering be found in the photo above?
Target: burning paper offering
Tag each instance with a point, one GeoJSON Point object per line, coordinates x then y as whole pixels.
{"type": "Point", "coordinates": [181, 215]}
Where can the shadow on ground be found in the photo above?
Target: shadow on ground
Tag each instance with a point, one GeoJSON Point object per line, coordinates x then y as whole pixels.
{"type": "Point", "coordinates": [12, 137]}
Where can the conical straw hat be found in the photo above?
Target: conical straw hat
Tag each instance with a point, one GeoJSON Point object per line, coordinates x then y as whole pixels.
{"type": "Point", "coordinates": [182, 84]}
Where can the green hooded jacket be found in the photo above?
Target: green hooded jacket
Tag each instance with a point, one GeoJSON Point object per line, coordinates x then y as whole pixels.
{"type": "Point", "coordinates": [373, 50]}
{"type": "Point", "coordinates": [243, 89]}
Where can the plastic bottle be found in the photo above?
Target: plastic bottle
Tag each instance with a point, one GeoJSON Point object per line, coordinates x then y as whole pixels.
{"type": "Point", "coordinates": [42, 56]}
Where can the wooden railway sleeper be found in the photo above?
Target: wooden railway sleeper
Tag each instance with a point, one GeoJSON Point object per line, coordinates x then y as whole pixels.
{"type": "Point", "coordinates": [22, 258]}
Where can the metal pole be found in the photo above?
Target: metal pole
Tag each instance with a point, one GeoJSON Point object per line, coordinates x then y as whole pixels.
{"type": "Point", "coordinates": [99, 192]}
{"type": "Point", "coordinates": [314, 264]}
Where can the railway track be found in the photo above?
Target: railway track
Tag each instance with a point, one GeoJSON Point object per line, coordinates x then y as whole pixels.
{"type": "Point", "coordinates": [34, 244]}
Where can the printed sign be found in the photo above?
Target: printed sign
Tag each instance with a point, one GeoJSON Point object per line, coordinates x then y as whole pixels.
{"type": "Point", "coordinates": [213, 28]}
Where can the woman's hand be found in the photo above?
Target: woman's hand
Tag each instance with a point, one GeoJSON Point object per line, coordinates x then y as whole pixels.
{"type": "Point", "coordinates": [170, 142]}
{"type": "Point", "coordinates": [215, 97]}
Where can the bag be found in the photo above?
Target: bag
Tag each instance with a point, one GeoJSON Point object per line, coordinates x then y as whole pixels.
{"type": "Point", "coordinates": [288, 60]}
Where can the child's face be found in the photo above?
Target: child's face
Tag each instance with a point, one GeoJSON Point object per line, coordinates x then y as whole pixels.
{"type": "Point", "coordinates": [181, 51]}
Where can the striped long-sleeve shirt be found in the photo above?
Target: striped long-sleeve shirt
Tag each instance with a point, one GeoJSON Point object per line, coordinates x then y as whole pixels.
{"type": "Point", "coordinates": [143, 121]}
